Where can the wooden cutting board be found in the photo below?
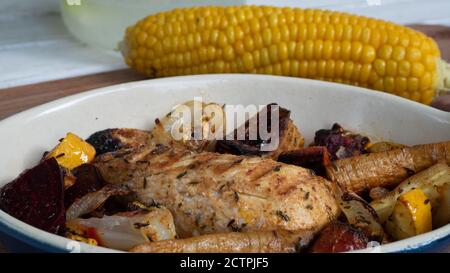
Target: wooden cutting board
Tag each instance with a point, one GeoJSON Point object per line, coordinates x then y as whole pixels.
{"type": "Point", "coordinates": [16, 99]}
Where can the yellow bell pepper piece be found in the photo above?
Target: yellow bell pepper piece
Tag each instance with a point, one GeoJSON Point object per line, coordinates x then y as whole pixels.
{"type": "Point", "coordinates": [411, 215]}
{"type": "Point", "coordinates": [72, 151]}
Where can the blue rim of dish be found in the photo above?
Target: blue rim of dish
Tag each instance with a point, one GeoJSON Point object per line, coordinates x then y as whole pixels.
{"type": "Point", "coordinates": [27, 244]}
{"type": "Point", "coordinates": [433, 246]}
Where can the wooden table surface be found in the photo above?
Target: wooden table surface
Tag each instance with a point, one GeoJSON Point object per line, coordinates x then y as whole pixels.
{"type": "Point", "coordinates": [16, 99]}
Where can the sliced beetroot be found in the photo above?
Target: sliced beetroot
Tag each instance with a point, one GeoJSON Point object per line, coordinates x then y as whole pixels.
{"type": "Point", "coordinates": [37, 197]}
{"type": "Point", "coordinates": [341, 143]}
{"type": "Point", "coordinates": [88, 179]}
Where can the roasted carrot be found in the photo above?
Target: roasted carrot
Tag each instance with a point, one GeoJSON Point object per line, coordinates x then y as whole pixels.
{"type": "Point", "coordinates": [386, 169]}
{"type": "Point", "coordinates": [237, 242]}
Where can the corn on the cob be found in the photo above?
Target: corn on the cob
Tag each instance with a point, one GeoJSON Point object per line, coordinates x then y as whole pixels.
{"type": "Point", "coordinates": [295, 42]}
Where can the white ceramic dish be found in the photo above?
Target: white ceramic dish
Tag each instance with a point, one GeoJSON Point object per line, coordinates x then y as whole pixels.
{"type": "Point", "coordinates": [314, 105]}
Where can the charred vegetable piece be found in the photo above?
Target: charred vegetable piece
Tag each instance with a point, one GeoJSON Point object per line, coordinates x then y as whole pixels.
{"type": "Point", "coordinates": [112, 140]}
{"type": "Point", "coordinates": [428, 181]}
{"type": "Point", "coordinates": [315, 158]}
{"type": "Point", "coordinates": [36, 197]}
{"type": "Point", "coordinates": [386, 169]}
{"type": "Point", "coordinates": [93, 200]}
{"type": "Point", "coordinates": [69, 178]}
{"type": "Point", "coordinates": [340, 142]}
{"type": "Point", "coordinates": [72, 151]}
{"type": "Point", "coordinates": [289, 138]}
{"type": "Point", "coordinates": [125, 230]}
{"type": "Point", "coordinates": [104, 141]}
{"type": "Point", "coordinates": [339, 237]}
{"type": "Point", "coordinates": [360, 214]}
{"type": "Point", "coordinates": [411, 216]}
{"type": "Point", "coordinates": [88, 179]}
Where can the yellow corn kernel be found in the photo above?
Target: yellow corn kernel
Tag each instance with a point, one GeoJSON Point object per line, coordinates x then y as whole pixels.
{"type": "Point", "coordinates": [398, 53]}
{"type": "Point", "coordinates": [368, 54]}
{"type": "Point", "coordinates": [365, 73]}
{"type": "Point", "coordinates": [404, 68]}
{"type": "Point", "coordinates": [400, 84]}
{"type": "Point", "coordinates": [72, 151]}
{"type": "Point", "coordinates": [417, 70]}
{"type": "Point", "coordinates": [389, 84]}
{"type": "Point", "coordinates": [391, 68]}
{"type": "Point", "coordinates": [385, 52]}
{"type": "Point", "coordinates": [380, 67]}
{"type": "Point", "coordinates": [357, 48]}
{"type": "Point", "coordinates": [346, 49]}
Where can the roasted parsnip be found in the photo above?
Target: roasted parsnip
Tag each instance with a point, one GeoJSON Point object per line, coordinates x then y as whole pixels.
{"type": "Point", "coordinates": [386, 169]}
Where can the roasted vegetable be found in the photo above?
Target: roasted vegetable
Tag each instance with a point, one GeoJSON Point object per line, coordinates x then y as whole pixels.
{"type": "Point", "coordinates": [307, 43]}
{"type": "Point", "coordinates": [428, 181]}
{"type": "Point", "coordinates": [441, 210]}
{"type": "Point", "coordinates": [378, 192]}
{"type": "Point", "coordinates": [87, 180]}
{"type": "Point", "coordinates": [339, 237]}
{"type": "Point", "coordinates": [341, 143]}
{"type": "Point", "coordinates": [383, 146]}
{"type": "Point", "coordinates": [314, 158]}
{"type": "Point", "coordinates": [360, 214]}
{"type": "Point", "coordinates": [231, 242]}
{"type": "Point", "coordinates": [72, 151]}
{"type": "Point", "coordinates": [93, 200]}
{"type": "Point", "coordinates": [289, 138]}
{"type": "Point", "coordinates": [386, 169]}
{"type": "Point", "coordinates": [193, 124]}
{"type": "Point", "coordinates": [110, 140]}
{"type": "Point", "coordinates": [36, 197]}
{"type": "Point", "coordinates": [125, 230]}
{"type": "Point", "coordinates": [411, 215]}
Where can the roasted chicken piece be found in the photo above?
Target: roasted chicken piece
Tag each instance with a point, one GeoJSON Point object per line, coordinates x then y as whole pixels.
{"type": "Point", "coordinates": [211, 193]}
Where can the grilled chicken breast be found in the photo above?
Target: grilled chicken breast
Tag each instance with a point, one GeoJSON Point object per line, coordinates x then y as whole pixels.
{"type": "Point", "coordinates": [216, 193]}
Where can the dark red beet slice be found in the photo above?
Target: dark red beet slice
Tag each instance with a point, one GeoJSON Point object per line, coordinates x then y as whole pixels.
{"type": "Point", "coordinates": [37, 197]}
{"type": "Point", "coordinates": [88, 179]}
{"type": "Point", "coordinates": [341, 143]}
{"type": "Point", "coordinates": [339, 237]}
